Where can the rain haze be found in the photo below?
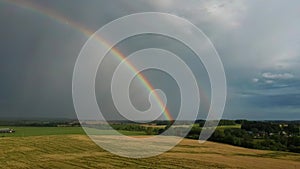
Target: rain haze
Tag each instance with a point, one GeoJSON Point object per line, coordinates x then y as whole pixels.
{"type": "Point", "coordinates": [257, 41]}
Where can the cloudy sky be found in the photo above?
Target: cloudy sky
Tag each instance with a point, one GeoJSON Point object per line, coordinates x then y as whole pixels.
{"type": "Point", "coordinates": [258, 43]}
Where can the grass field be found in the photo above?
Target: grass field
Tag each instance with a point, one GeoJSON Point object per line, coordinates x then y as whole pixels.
{"type": "Point", "coordinates": [222, 128]}
{"type": "Point", "coordinates": [73, 149]}
{"type": "Point", "coordinates": [45, 131]}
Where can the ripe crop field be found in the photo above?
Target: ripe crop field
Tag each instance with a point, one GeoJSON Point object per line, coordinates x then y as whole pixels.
{"type": "Point", "coordinates": [76, 150]}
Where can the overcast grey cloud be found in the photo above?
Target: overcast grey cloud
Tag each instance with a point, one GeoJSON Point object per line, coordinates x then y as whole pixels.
{"type": "Point", "coordinates": [258, 42]}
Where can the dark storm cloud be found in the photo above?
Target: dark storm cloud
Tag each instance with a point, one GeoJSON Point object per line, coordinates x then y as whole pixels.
{"type": "Point", "coordinates": [258, 43]}
{"type": "Point", "coordinates": [38, 54]}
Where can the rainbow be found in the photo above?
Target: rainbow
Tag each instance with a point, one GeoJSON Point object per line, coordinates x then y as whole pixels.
{"type": "Point", "coordinates": [53, 15]}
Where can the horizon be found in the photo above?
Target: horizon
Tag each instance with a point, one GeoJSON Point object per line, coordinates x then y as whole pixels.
{"type": "Point", "coordinates": [11, 119]}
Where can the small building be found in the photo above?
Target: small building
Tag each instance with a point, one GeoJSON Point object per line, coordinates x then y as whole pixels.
{"type": "Point", "coordinates": [7, 130]}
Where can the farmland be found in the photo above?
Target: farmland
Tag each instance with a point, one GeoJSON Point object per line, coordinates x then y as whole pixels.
{"type": "Point", "coordinates": [46, 131]}
{"type": "Point", "coordinates": [68, 147]}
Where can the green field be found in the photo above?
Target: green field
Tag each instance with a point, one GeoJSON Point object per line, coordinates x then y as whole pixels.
{"type": "Point", "coordinates": [222, 127]}
{"type": "Point", "coordinates": [44, 131]}
{"type": "Point", "coordinates": [229, 126]}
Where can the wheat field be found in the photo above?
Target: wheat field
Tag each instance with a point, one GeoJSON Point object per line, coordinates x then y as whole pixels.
{"type": "Point", "coordinates": [78, 151]}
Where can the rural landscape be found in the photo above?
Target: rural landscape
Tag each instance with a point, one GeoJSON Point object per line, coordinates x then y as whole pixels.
{"type": "Point", "coordinates": [149, 84]}
{"type": "Point", "coordinates": [65, 145]}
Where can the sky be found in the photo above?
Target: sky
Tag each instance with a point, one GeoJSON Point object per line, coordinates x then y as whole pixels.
{"type": "Point", "coordinates": [258, 43]}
